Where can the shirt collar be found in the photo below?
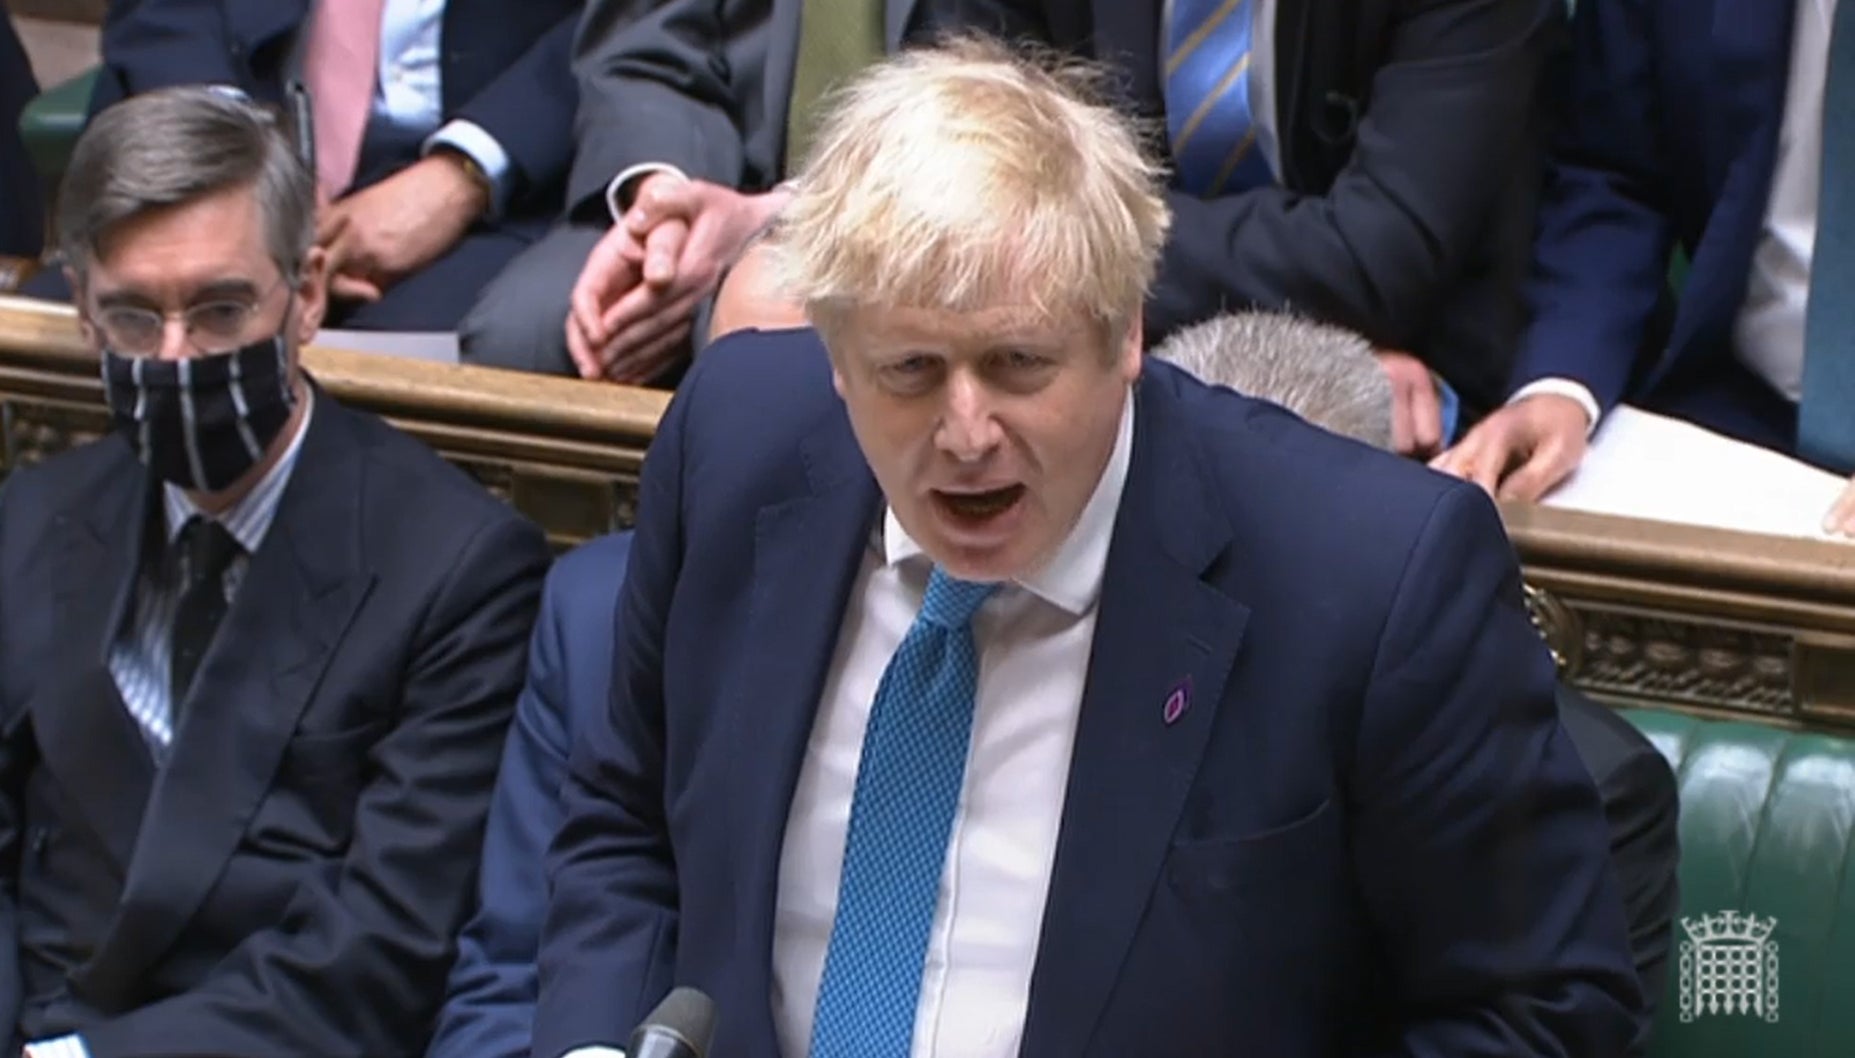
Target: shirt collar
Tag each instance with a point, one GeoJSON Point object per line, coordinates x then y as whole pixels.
{"type": "Point", "coordinates": [1071, 579]}
{"type": "Point", "coordinates": [248, 520]}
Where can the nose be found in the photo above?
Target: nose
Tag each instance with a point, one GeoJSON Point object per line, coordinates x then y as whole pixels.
{"type": "Point", "coordinates": [175, 345]}
{"type": "Point", "coordinates": [969, 430]}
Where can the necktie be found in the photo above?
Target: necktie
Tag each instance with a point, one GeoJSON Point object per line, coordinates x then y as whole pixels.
{"type": "Point", "coordinates": [1826, 412]}
{"type": "Point", "coordinates": [207, 551]}
{"type": "Point", "coordinates": [340, 67]}
{"type": "Point", "coordinates": [901, 813]}
{"type": "Point", "coordinates": [837, 39]}
{"type": "Point", "coordinates": [1208, 96]}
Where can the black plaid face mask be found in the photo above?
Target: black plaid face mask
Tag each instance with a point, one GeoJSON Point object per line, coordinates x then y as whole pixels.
{"type": "Point", "coordinates": [201, 422]}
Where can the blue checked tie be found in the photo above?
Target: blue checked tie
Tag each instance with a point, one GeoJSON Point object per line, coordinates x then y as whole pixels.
{"type": "Point", "coordinates": [1208, 97]}
{"type": "Point", "coordinates": [908, 782]}
{"type": "Point", "coordinates": [1826, 413]}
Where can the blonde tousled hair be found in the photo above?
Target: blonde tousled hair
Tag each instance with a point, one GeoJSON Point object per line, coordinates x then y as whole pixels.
{"type": "Point", "coordinates": [966, 176]}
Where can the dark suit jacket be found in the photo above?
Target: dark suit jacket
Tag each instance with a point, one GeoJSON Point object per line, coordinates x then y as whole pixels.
{"type": "Point", "coordinates": [1367, 833]}
{"type": "Point", "coordinates": [1669, 139]}
{"type": "Point", "coordinates": [700, 84]}
{"type": "Point", "coordinates": [21, 206]}
{"type": "Point", "coordinates": [1410, 133]}
{"type": "Point", "coordinates": [1643, 808]}
{"type": "Point", "coordinates": [504, 66]}
{"type": "Point", "coordinates": [294, 882]}
{"type": "Point", "coordinates": [490, 1011]}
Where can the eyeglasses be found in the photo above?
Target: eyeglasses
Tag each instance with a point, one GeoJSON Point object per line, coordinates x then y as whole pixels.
{"type": "Point", "coordinates": [215, 326]}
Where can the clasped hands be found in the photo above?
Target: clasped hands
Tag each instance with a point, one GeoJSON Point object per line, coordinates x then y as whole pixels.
{"type": "Point", "coordinates": [635, 300]}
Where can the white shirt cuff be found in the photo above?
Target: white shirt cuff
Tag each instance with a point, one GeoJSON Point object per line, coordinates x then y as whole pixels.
{"type": "Point", "coordinates": [482, 148]}
{"type": "Point", "coordinates": [1564, 387]}
{"type": "Point", "coordinates": [594, 1052]}
{"type": "Point", "coordinates": [59, 1047]}
{"type": "Point", "coordinates": [618, 192]}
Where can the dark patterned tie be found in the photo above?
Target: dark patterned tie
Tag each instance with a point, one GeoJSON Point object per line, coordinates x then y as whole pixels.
{"type": "Point", "coordinates": [207, 551]}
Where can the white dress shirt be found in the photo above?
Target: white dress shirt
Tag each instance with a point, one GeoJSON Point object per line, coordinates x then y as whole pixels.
{"type": "Point", "coordinates": [1768, 332]}
{"type": "Point", "coordinates": [1034, 639]}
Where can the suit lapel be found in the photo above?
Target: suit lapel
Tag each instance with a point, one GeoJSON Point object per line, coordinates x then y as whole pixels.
{"type": "Point", "coordinates": [1162, 631]}
{"type": "Point", "coordinates": [302, 589]}
{"type": "Point", "coordinates": [1751, 42]}
{"type": "Point", "coordinates": [86, 736]}
{"type": "Point", "coordinates": [797, 607]}
{"type": "Point", "coordinates": [1127, 37]}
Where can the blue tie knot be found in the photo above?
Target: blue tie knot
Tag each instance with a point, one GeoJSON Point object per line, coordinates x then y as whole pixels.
{"type": "Point", "coordinates": [951, 602]}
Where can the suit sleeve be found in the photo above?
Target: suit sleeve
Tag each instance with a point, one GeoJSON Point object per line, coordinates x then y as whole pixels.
{"type": "Point", "coordinates": [1448, 113]}
{"type": "Point", "coordinates": [1600, 258]}
{"type": "Point", "coordinates": [356, 962]}
{"type": "Point", "coordinates": [491, 1004]}
{"type": "Point", "coordinates": [1478, 841]}
{"type": "Point", "coordinates": [149, 44]}
{"type": "Point", "coordinates": [655, 87]}
{"type": "Point", "coordinates": [608, 947]}
{"type": "Point", "coordinates": [528, 109]}
{"type": "Point", "coordinates": [1643, 809]}
{"type": "Point", "coordinates": [15, 751]}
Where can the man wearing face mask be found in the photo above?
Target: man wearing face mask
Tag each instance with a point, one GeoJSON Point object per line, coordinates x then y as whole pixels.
{"type": "Point", "coordinates": [257, 650]}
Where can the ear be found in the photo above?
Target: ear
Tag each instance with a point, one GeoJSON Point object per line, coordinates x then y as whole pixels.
{"type": "Point", "coordinates": [1131, 348]}
{"type": "Point", "coordinates": [311, 295]}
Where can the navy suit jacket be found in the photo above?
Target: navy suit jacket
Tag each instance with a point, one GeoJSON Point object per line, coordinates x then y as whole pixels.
{"type": "Point", "coordinates": [490, 1011]}
{"type": "Point", "coordinates": [504, 66]}
{"type": "Point", "coordinates": [1367, 833]}
{"type": "Point", "coordinates": [1669, 140]}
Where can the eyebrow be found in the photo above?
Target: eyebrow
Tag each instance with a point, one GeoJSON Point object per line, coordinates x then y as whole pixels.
{"type": "Point", "coordinates": [219, 290]}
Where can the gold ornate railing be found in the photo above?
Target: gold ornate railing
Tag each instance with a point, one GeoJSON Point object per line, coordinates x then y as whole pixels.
{"type": "Point", "coordinates": [566, 453]}
{"type": "Point", "coordinates": [1637, 612]}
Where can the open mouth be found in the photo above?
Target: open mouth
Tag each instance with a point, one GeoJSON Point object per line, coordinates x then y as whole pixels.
{"type": "Point", "coordinates": [979, 506]}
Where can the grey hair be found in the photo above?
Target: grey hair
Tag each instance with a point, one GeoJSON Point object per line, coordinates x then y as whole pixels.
{"type": "Point", "coordinates": [1325, 374]}
{"type": "Point", "coordinates": [173, 146]}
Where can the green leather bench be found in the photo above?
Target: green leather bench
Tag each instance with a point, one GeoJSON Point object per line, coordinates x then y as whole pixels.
{"type": "Point", "coordinates": [50, 125]}
{"type": "Point", "coordinates": [1767, 817]}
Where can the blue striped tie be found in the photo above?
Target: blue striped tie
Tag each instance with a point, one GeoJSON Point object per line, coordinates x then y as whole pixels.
{"type": "Point", "coordinates": [1826, 412]}
{"type": "Point", "coordinates": [908, 783]}
{"type": "Point", "coordinates": [1208, 97]}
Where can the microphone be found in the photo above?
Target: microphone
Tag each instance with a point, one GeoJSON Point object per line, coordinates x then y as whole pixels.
{"type": "Point", "coordinates": [679, 1027]}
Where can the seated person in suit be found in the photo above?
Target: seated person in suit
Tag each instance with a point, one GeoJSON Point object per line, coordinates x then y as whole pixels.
{"type": "Point", "coordinates": [1719, 146]}
{"type": "Point", "coordinates": [258, 651]}
{"type": "Point", "coordinates": [1369, 163]}
{"type": "Point", "coordinates": [1327, 375]}
{"type": "Point", "coordinates": [691, 113]}
{"type": "Point", "coordinates": [443, 130]}
{"type": "Point", "coordinates": [490, 1010]}
{"type": "Point", "coordinates": [981, 689]}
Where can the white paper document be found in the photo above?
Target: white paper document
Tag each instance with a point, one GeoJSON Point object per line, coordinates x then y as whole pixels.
{"type": "Point", "coordinates": [1643, 465]}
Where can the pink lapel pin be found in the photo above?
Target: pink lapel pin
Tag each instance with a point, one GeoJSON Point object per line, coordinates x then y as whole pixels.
{"type": "Point", "coordinates": [1177, 702]}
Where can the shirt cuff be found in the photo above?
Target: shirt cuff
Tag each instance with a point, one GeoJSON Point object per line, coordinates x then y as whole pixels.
{"type": "Point", "coordinates": [468, 138]}
{"type": "Point", "coordinates": [618, 193]}
{"type": "Point", "coordinates": [62, 1047]}
{"type": "Point", "coordinates": [585, 1052]}
{"type": "Point", "coordinates": [1564, 387]}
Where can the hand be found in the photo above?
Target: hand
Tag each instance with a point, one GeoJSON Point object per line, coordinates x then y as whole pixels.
{"type": "Point", "coordinates": [1840, 521]}
{"type": "Point", "coordinates": [383, 233]}
{"type": "Point", "coordinates": [1523, 450]}
{"type": "Point", "coordinates": [1416, 411]}
{"type": "Point", "coordinates": [679, 235]}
